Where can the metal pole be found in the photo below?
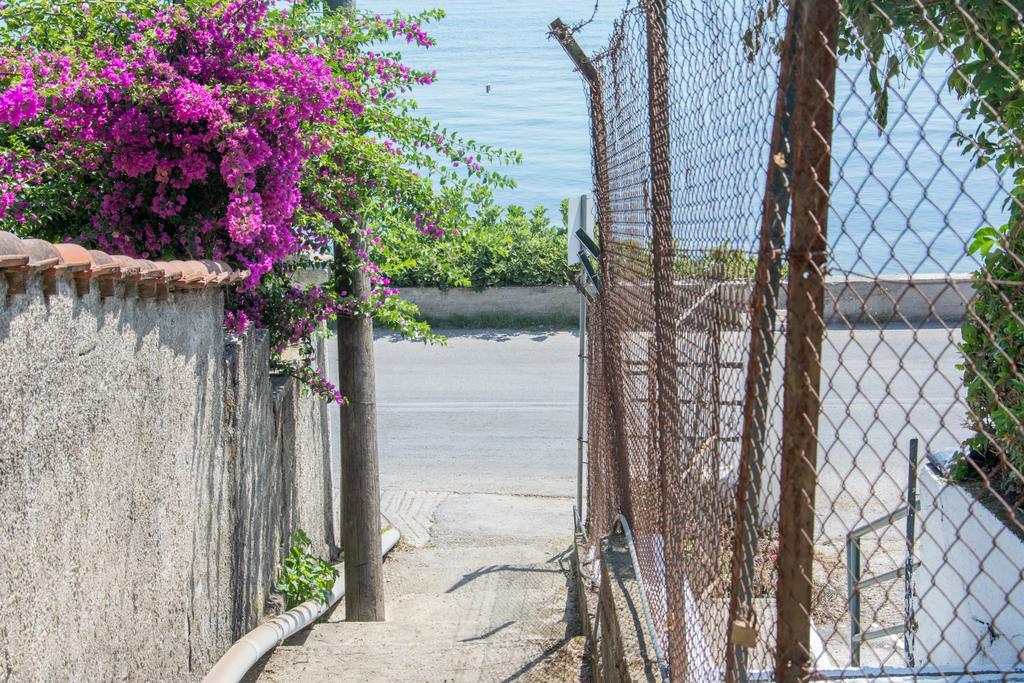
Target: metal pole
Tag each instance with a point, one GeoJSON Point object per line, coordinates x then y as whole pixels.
{"type": "Point", "coordinates": [908, 574]}
{"type": "Point", "coordinates": [812, 156]}
{"type": "Point", "coordinates": [659, 652]}
{"type": "Point", "coordinates": [579, 58]}
{"type": "Point", "coordinates": [610, 347]}
{"type": "Point", "coordinates": [853, 575]}
{"type": "Point", "coordinates": [714, 379]}
{"type": "Point", "coordinates": [582, 398]}
{"type": "Point", "coordinates": [760, 358]}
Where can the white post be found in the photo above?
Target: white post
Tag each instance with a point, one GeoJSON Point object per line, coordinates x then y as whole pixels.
{"type": "Point", "coordinates": [581, 216]}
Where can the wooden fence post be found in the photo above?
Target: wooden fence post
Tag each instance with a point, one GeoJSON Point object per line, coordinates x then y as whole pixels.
{"type": "Point", "coordinates": [812, 156]}
{"type": "Point", "coordinates": [360, 470]}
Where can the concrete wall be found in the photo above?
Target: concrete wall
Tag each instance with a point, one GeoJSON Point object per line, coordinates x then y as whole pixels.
{"type": "Point", "coordinates": [920, 298]}
{"type": "Point", "coordinates": [151, 474]}
{"type": "Point", "coordinates": [497, 306]}
{"type": "Point", "coordinates": [916, 299]}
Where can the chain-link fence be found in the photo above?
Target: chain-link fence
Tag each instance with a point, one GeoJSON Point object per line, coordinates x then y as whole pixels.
{"type": "Point", "coordinates": [806, 358]}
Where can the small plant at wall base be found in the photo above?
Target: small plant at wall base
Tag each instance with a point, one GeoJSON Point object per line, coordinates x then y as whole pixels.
{"type": "Point", "coordinates": [251, 132]}
{"type": "Point", "coordinates": [305, 576]}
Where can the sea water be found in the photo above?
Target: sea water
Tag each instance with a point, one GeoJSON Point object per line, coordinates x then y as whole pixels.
{"type": "Point", "coordinates": [907, 200]}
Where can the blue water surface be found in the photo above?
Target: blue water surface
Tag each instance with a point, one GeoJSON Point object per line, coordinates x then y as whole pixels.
{"type": "Point", "coordinates": [536, 104]}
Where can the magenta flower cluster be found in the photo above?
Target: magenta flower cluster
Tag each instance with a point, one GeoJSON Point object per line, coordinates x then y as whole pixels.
{"type": "Point", "coordinates": [411, 30]}
{"type": "Point", "coordinates": [200, 126]}
{"type": "Point", "coordinates": [195, 127]}
{"type": "Point", "coordinates": [16, 175]}
{"type": "Point", "coordinates": [20, 102]}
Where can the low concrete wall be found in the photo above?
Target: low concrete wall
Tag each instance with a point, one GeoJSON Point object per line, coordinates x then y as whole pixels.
{"type": "Point", "coordinates": [151, 476]}
{"type": "Point", "coordinates": [915, 299]}
{"type": "Point", "coordinates": [497, 306]}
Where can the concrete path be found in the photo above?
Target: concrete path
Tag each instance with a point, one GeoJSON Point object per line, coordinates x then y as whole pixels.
{"type": "Point", "coordinates": [478, 466]}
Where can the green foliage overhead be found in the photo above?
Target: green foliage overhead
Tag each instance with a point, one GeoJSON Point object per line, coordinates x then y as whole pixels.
{"type": "Point", "coordinates": [266, 134]}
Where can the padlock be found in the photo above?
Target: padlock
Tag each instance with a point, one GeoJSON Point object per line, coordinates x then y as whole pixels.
{"type": "Point", "coordinates": [744, 634]}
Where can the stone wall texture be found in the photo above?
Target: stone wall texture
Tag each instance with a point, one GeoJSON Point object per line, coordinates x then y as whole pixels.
{"type": "Point", "coordinates": [151, 474]}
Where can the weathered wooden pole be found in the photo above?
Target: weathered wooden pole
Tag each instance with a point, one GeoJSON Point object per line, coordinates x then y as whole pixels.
{"type": "Point", "coordinates": [360, 471]}
{"type": "Point", "coordinates": [812, 157]}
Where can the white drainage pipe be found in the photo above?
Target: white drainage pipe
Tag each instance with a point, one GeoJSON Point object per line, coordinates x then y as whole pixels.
{"type": "Point", "coordinates": [237, 661]}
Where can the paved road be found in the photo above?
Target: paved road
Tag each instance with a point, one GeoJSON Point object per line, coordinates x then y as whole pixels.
{"type": "Point", "coordinates": [478, 463]}
{"type": "Point", "coordinates": [492, 412]}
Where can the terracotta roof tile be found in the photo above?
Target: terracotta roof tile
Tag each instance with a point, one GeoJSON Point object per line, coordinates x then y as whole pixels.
{"type": "Point", "coordinates": [19, 257]}
{"type": "Point", "coordinates": [219, 271]}
{"type": "Point", "coordinates": [148, 270]}
{"type": "Point", "coordinates": [170, 269]}
{"type": "Point", "coordinates": [73, 257]}
{"type": "Point", "coordinates": [12, 254]}
{"type": "Point", "coordinates": [193, 273]}
{"type": "Point", "coordinates": [129, 267]}
{"type": "Point", "coordinates": [41, 254]}
{"type": "Point", "coordinates": [77, 261]}
{"type": "Point", "coordinates": [103, 264]}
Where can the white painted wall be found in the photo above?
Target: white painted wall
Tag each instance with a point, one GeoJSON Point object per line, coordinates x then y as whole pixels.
{"type": "Point", "coordinates": [969, 588]}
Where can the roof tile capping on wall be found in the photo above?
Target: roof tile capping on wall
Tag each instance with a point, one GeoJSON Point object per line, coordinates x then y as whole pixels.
{"type": "Point", "coordinates": [147, 279]}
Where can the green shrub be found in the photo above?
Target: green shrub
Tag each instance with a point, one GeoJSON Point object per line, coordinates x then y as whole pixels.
{"type": "Point", "coordinates": [497, 247]}
{"type": "Point", "coordinates": [723, 262]}
{"type": "Point", "coordinates": [305, 576]}
{"type": "Point", "coordinates": [993, 349]}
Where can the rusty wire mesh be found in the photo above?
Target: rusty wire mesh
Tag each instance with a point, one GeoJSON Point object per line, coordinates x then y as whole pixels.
{"type": "Point", "coordinates": [777, 396]}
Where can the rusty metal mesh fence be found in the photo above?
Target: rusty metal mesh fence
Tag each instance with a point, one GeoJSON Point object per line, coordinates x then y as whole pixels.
{"type": "Point", "coordinates": [805, 381]}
